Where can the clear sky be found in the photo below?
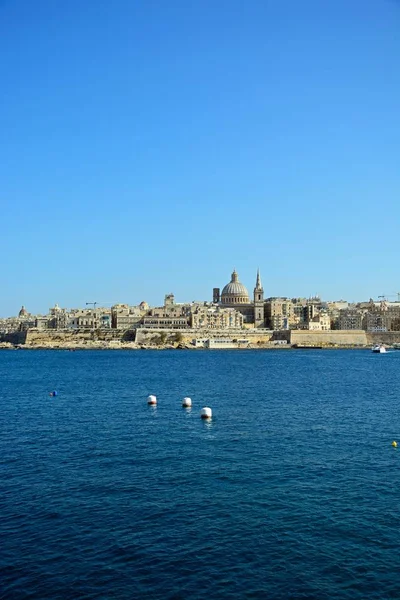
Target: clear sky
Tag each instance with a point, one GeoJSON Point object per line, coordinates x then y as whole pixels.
{"type": "Point", "coordinates": [151, 146]}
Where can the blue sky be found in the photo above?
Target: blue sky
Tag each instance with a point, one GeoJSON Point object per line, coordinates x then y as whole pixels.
{"type": "Point", "coordinates": [152, 146]}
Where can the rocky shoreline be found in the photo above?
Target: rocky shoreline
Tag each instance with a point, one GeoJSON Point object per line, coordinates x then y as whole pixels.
{"type": "Point", "coordinates": [113, 345]}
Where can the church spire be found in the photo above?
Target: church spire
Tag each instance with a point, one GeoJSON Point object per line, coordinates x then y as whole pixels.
{"type": "Point", "coordinates": [259, 303]}
{"type": "Point", "coordinates": [258, 282]}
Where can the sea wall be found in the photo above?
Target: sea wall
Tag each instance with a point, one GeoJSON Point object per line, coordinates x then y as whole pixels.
{"type": "Point", "coordinates": [67, 338]}
{"type": "Point", "coordinates": [328, 338]}
{"type": "Point", "coordinates": [187, 337]}
{"type": "Point", "coordinates": [343, 338]}
{"type": "Point", "coordinates": [16, 337]}
{"type": "Point", "coordinates": [159, 338]}
{"type": "Point", "coordinates": [76, 338]}
{"type": "Point", "coordinates": [383, 337]}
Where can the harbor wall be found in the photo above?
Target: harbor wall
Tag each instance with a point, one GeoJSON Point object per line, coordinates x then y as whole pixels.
{"type": "Point", "coordinates": [188, 336]}
{"type": "Point", "coordinates": [346, 338]}
{"type": "Point", "coordinates": [383, 337]}
{"type": "Point", "coordinates": [329, 338]}
{"type": "Point", "coordinates": [16, 337]}
{"type": "Point", "coordinates": [59, 338]}
{"type": "Point", "coordinates": [74, 338]}
{"type": "Point", "coordinates": [103, 338]}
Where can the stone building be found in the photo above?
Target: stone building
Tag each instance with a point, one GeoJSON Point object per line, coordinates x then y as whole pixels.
{"type": "Point", "coordinates": [392, 317]}
{"type": "Point", "coordinates": [279, 313]}
{"type": "Point", "coordinates": [169, 316]}
{"type": "Point", "coordinates": [163, 321]}
{"type": "Point", "coordinates": [215, 317]}
{"type": "Point", "coordinates": [124, 316]}
{"type": "Point", "coordinates": [381, 316]}
{"type": "Point", "coordinates": [25, 320]}
{"type": "Point", "coordinates": [235, 295]}
{"type": "Point", "coordinates": [350, 318]}
{"type": "Point", "coordinates": [320, 322]}
{"type": "Point", "coordinates": [88, 318]}
{"type": "Point", "coordinates": [374, 321]}
{"type": "Point", "coordinates": [57, 318]}
{"type": "Point", "coordinates": [23, 312]}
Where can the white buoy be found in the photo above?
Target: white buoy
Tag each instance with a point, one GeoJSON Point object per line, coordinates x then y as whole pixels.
{"type": "Point", "coordinates": [152, 399]}
{"type": "Point", "coordinates": [187, 402]}
{"type": "Point", "coordinates": [206, 413]}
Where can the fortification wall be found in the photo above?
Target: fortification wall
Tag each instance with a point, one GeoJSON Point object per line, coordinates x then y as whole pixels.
{"type": "Point", "coordinates": [329, 338]}
{"type": "Point", "coordinates": [16, 337]}
{"type": "Point", "coordinates": [384, 337]}
{"type": "Point", "coordinates": [186, 336]}
{"type": "Point", "coordinates": [55, 338]}
{"type": "Point", "coordinates": [67, 338]}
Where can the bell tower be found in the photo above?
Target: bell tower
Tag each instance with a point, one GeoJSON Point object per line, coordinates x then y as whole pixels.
{"type": "Point", "coordinates": [258, 302]}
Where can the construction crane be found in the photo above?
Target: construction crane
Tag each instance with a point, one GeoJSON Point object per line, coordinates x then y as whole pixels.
{"type": "Point", "coordinates": [94, 304]}
{"type": "Point", "coordinates": [386, 296]}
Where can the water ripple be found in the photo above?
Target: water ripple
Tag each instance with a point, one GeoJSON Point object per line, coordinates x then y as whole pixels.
{"type": "Point", "coordinates": [289, 492]}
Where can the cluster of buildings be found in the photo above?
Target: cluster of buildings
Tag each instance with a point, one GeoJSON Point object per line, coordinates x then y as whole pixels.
{"type": "Point", "coordinates": [231, 308]}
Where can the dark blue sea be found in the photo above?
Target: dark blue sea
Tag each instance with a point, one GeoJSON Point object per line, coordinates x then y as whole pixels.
{"type": "Point", "coordinates": [291, 491]}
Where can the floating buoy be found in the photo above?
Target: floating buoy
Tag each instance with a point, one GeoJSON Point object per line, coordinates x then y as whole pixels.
{"type": "Point", "coordinates": [394, 444]}
{"type": "Point", "coordinates": [52, 394]}
{"type": "Point", "coordinates": [206, 413]}
{"type": "Point", "coordinates": [187, 402]}
{"type": "Point", "coordinates": [152, 400]}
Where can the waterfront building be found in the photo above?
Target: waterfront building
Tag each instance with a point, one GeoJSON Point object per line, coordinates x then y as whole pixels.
{"type": "Point", "coordinates": [279, 313]}
{"type": "Point", "coordinates": [350, 318]}
{"type": "Point", "coordinates": [165, 322]}
{"type": "Point", "coordinates": [25, 320]}
{"type": "Point", "coordinates": [374, 321]}
{"type": "Point", "coordinates": [42, 322]}
{"type": "Point", "coordinates": [320, 322]}
{"type": "Point", "coordinates": [169, 316]}
{"type": "Point", "coordinates": [334, 309]}
{"type": "Point", "coordinates": [89, 318]}
{"type": "Point", "coordinates": [392, 316]}
{"type": "Point", "coordinates": [235, 295]}
{"type": "Point", "coordinates": [124, 316]}
{"type": "Point", "coordinates": [382, 316]}
{"type": "Point", "coordinates": [215, 317]}
{"type": "Point", "coordinates": [57, 318]}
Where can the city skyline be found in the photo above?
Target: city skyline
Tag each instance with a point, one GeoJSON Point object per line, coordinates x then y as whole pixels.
{"type": "Point", "coordinates": [154, 146]}
{"type": "Point", "coordinates": [87, 305]}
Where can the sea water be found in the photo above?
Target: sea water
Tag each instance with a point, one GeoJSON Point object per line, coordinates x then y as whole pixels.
{"type": "Point", "coordinates": [290, 491]}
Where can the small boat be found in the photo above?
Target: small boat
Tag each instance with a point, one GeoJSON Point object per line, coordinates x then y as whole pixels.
{"type": "Point", "coordinates": [379, 349]}
{"type": "Point", "coordinates": [306, 347]}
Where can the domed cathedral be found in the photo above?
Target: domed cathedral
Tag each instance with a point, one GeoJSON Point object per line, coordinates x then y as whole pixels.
{"type": "Point", "coordinates": [23, 312]}
{"type": "Point", "coordinates": [235, 295]}
{"type": "Point", "coordinates": [235, 292]}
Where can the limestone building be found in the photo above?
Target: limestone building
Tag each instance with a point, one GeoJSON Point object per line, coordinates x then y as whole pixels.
{"type": "Point", "coordinates": [168, 316]}
{"type": "Point", "coordinates": [279, 313]}
{"type": "Point", "coordinates": [350, 318]}
{"type": "Point", "coordinates": [216, 317]}
{"type": "Point", "coordinates": [235, 295]}
{"type": "Point", "coordinates": [124, 316]}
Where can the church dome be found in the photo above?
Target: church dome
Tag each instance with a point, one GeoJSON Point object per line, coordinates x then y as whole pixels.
{"type": "Point", "coordinates": [23, 312]}
{"type": "Point", "coordinates": [235, 292]}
